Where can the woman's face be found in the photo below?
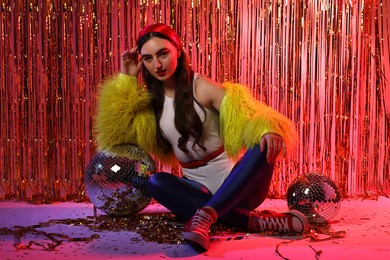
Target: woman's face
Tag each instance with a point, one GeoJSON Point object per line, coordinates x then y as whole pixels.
{"type": "Point", "coordinates": [159, 56]}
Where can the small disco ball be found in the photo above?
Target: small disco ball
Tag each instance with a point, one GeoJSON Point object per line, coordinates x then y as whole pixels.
{"type": "Point", "coordinates": [116, 180]}
{"type": "Point", "coordinates": [316, 196]}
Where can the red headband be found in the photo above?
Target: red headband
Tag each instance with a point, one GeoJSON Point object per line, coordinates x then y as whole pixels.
{"type": "Point", "coordinates": [163, 29]}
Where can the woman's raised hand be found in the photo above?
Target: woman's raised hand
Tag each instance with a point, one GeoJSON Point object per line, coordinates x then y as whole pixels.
{"type": "Point", "coordinates": [130, 63]}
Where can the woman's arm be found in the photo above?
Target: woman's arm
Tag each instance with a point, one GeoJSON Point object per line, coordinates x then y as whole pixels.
{"type": "Point", "coordinates": [123, 111]}
{"type": "Point", "coordinates": [246, 122]}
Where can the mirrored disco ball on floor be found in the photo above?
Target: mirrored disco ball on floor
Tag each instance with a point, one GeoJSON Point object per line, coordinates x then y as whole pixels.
{"type": "Point", "coordinates": [316, 196]}
{"type": "Point", "coordinates": [116, 180]}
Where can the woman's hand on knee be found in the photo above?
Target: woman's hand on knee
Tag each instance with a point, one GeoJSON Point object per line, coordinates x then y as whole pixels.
{"type": "Point", "coordinates": [274, 145]}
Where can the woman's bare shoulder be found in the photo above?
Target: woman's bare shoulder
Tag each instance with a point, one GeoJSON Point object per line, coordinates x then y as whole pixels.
{"type": "Point", "coordinates": [209, 92]}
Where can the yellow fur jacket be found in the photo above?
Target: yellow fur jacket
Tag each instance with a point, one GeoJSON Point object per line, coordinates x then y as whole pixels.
{"type": "Point", "coordinates": [124, 115]}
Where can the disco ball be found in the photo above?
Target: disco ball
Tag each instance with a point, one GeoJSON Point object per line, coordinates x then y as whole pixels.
{"type": "Point", "coordinates": [316, 196]}
{"type": "Point", "coordinates": [116, 180]}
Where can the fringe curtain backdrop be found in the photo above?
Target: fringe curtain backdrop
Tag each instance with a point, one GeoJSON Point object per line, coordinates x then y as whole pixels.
{"type": "Point", "coordinates": [324, 64]}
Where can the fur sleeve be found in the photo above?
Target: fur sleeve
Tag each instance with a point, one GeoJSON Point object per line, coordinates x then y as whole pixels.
{"type": "Point", "coordinates": [244, 120]}
{"type": "Point", "coordinates": [123, 111]}
{"type": "Point", "coordinates": [124, 115]}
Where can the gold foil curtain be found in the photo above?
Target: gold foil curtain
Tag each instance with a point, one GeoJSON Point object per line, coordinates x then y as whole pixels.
{"type": "Point", "coordinates": [324, 64]}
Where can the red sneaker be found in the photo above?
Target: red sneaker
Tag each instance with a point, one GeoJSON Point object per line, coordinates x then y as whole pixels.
{"type": "Point", "coordinates": [196, 232]}
{"type": "Point", "coordinates": [291, 222]}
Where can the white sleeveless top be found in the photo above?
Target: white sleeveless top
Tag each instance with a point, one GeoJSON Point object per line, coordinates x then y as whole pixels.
{"type": "Point", "coordinates": [216, 171]}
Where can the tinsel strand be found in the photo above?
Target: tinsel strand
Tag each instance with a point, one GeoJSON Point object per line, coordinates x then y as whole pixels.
{"type": "Point", "coordinates": [324, 64]}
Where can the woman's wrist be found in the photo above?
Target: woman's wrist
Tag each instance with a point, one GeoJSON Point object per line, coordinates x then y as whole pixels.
{"type": "Point", "coordinates": [127, 71]}
{"type": "Point", "coordinates": [124, 71]}
{"type": "Point", "coordinates": [131, 71]}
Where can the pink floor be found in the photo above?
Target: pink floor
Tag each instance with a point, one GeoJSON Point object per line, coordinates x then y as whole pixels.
{"type": "Point", "coordinates": [366, 223]}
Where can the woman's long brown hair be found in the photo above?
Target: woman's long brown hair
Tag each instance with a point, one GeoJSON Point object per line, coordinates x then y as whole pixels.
{"type": "Point", "coordinates": [187, 120]}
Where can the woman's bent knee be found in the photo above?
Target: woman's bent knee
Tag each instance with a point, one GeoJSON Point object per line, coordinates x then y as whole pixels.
{"type": "Point", "coordinates": [157, 181]}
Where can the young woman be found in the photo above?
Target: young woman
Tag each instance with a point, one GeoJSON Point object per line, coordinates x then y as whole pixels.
{"type": "Point", "coordinates": [179, 115]}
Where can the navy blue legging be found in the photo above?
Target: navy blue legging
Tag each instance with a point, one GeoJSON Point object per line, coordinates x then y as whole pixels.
{"type": "Point", "coordinates": [244, 190]}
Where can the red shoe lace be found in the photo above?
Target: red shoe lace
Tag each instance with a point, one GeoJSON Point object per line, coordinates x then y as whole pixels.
{"type": "Point", "coordinates": [200, 223]}
{"type": "Point", "coordinates": [274, 224]}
